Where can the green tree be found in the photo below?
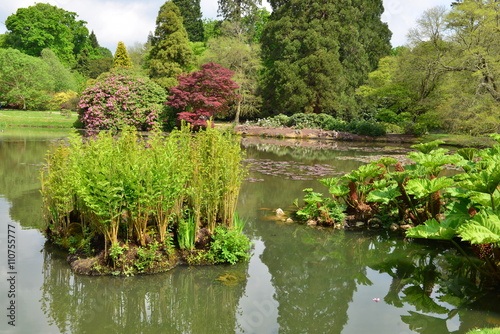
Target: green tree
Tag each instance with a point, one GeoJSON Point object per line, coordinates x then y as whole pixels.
{"type": "Point", "coordinates": [170, 52]}
{"type": "Point", "coordinates": [24, 80]}
{"type": "Point", "coordinates": [232, 52]}
{"type": "Point", "coordinates": [212, 28]}
{"type": "Point", "coordinates": [192, 19]}
{"type": "Point", "coordinates": [138, 53]}
{"type": "Point", "coordinates": [315, 58]}
{"type": "Point", "coordinates": [235, 10]}
{"type": "Point", "coordinates": [447, 77]}
{"type": "Point", "coordinates": [41, 26]}
{"type": "Point", "coordinates": [121, 58]}
{"type": "Point", "coordinates": [63, 78]}
{"type": "Point", "coordinates": [93, 41]}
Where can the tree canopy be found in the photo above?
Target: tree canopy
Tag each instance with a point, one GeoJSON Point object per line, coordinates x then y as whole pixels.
{"type": "Point", "coordinates": [315, 58]}
{"type": "Point", "coordinates": [25, 81]}
{"type": "Point", "coordinates": [170, 52]}
{"type": "Point", "coordinates": [122, 57]}
{"type": "Point", "coordinates": [202, 94]}
{"type": "Point", "coordinates": [192, 19]}
{"type": "Point", "coordinates": [32, 29]}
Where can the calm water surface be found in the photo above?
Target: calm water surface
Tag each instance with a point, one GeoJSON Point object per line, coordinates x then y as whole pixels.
{"type": "Point", "coordinates": [299, 279]}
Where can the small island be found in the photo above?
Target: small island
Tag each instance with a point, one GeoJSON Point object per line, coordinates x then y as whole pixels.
{"type": "Point", "coordinates": [126, 204]}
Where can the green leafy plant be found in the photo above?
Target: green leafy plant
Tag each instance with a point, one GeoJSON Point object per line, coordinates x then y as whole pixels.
{"type": "Point", "coordinates": [229, 246]}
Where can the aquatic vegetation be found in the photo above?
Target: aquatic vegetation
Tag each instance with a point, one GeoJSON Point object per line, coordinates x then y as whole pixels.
{"type": "Point", "coordinates": [113, 191]}
{"type": "Point", "coordinates": [417, 198]}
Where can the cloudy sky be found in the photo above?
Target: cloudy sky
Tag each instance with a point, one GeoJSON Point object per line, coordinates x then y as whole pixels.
{"type": "Point", "coordinates": [131, 21]}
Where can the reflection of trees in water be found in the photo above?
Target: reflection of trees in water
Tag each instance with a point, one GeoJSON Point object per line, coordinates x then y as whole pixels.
{"type": "Point", "coordinates": [19, 179]}
{"type": "Point", "coordinates": [181, 301]}
{"type": "Point", "coordinates": [434, 279]}
{"type": "Point", "coordinates": [315, 274]}
{"type": "Point", "coordinates": [319, 151]}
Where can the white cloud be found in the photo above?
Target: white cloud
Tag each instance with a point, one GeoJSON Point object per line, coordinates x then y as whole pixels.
{"type": "Point", "coordinates": [131, 21]}
{"type": "Point", "coordinates": [401, 15]}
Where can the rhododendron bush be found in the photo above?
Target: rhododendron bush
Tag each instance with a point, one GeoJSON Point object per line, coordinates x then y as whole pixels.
{"type": "Point", "coordinates": [202, 94]}
{"type": "Point", "coordinates": [121, 98]}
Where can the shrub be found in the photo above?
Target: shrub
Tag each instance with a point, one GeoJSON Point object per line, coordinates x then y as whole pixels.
{"type": "Point", "coordinates": [228, 246]}
{"type": "Point", "coordinates": [120, 98]}
{"type": "Point", "coordinates": [366, 128]}
{"type": "Point", "coordinates": [202, 94]}
{"type": "Point", "coordinates": [67, 100]}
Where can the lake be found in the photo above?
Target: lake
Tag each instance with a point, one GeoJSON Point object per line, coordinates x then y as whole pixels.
{"type": "Point", "coordinates": [299, 279]}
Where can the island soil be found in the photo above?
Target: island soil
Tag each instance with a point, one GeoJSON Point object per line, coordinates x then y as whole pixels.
{"type": "Point", "coordinates": [247, 130]}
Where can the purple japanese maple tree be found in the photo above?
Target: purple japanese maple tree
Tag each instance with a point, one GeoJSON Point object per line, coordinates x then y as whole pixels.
{"type": "Point", "coordinates": [202, 94]}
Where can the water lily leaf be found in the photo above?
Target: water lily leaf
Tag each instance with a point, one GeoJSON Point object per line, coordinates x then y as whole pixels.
{"type": "Point", "coordinates": [432, 229]}
{"type": "Point", "coordinates": [484, 228]}
{"type": "Point", "coordinates": [385, 195]}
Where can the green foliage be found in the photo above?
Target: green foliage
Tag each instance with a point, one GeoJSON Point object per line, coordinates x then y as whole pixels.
{"type": "Point", "coordinates": [314, 59]}
{"type": "Point", "coordinates": [192, 19]}
{"type": "Point", "coordinates": [228, 246]}
{"type": "Point", "coordinates": [323, 121]}
{"type": "Point", "coordinates": [42, 26]}
{"type": "Point", "coordinates": [170, 53]}
{"type": "Point", "coordinates": [444, 77]}
{"type": "Point", "coordinates": [65, 101]}
{"type": "Point", "coordinates": [130, 187]}
{"type": "Point", "coordinates": [440, 206]}
{"type": "Point", "coordinates": [186, 232]}
{"type": "Point", "coordinates": [63, 78]}
{"type": "Point", "coordinates": [147, 256]}
{"type": "Point", "coordinates": [484, 228]}
{"type": "Point", "coordinates": [25, 81]}
{"type": "Point", "coordinates": [121, 58]}
{"type": "Point", "coordinates": [324, 211]}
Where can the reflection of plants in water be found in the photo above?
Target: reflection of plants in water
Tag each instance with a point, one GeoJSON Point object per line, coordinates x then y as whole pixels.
{"type": "Point", "coordinates": [19, 183]}
{"type": "Point", "coordinates": [290, 170]}
{"type": "Point", "coordinates": [433, 280]}
{"type": "Point", "coordinates": [180, 301]}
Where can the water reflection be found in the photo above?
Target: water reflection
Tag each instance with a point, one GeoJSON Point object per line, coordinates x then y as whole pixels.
{"type": "Point", "coordinates": [299, 280]}
{"type": "Point", "coordinates": [185, 300]}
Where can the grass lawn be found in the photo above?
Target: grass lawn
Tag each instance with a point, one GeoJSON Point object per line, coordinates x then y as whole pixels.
{"type": "Point", "coordinates": [461, 140]}
{"type": "Point", "coordinates": [44, 119]}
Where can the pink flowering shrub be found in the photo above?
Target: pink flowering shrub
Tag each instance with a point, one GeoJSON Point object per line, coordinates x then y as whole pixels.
{"type": "Point", "coordinates": [121, 98]}
{"type": "Point", "coordinates": [202, 94]}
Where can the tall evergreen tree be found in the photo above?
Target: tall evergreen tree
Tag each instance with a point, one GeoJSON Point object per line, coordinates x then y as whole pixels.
{"type": "Point", "coordinates": [192, 18]}
{"type": "Point", "coordinates": [122, 57]}
{"type": "Point", "coordinates": [317, 53]}
{"type": "Point", "coordinates": [93, 41]}
{"type": "Point", "coordinates": [170, 53]}
{"type": "Point", "coordinates": [235, 10]}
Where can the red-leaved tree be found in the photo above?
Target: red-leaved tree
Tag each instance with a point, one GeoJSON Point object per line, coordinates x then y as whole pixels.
{"type": "Point", "coordinates": [202, 94]}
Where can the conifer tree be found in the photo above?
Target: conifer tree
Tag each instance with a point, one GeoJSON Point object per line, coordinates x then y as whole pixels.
{"type": "Point", "coordinates": [93, 41]}
{"type": "Point", "coordinates": [192, 18]}
{"type": "Point", "coordinates": [122, 57]}
{"type": "Point", "coordinates": [170, 53]}
{"type": "Point", "coordinates": [235, 10]}
{"type": "Point", "coordinates": [317, 53]}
